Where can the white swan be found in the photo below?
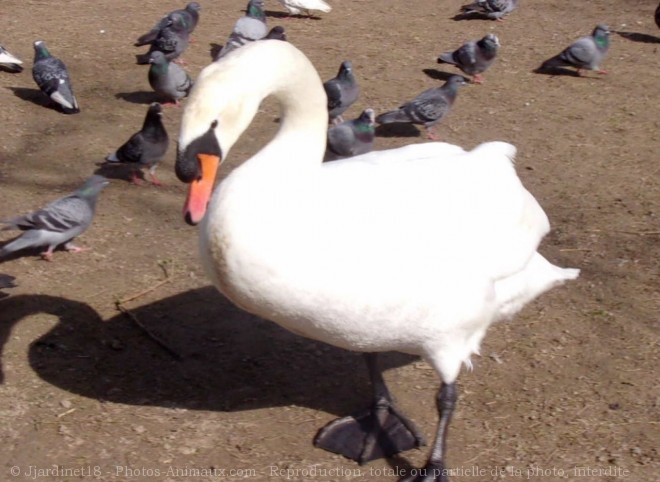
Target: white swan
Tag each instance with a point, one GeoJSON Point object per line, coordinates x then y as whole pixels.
{"type": "Point", "coordinates": [417, 249]}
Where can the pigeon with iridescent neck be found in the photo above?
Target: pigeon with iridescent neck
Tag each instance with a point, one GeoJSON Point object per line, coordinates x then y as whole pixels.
{"type": "Point", "coordinates": [168, 79]}
{"type": "Point", "coordinates": [190, 16]}
{"type": "Point", "coordinates": [342, 91]}
{"type": "Point", "coordinates": [146, 148]}
{"type": "Point", "coordinates": [586, 53]}
{"type": "Point", "coordinates": [248, 28]}
{"type": "Point", "coordinates": [172, 40]}
{"type": "Point", "coordinates": [53, 79]}
{"type": "Point", "coordinates": [351, 138]}
{"type": "Point", "coordinates": [58, 223]}
{"type": "Point", "coordinates": [493, 9]}
{"type": "Point", "coordinates": [428, 108]}
{"type": "Point", "coordinates": [473, 57]}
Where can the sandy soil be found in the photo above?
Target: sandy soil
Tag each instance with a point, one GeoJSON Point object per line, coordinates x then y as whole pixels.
{"type": "Point", "coordinates": [568, 388]}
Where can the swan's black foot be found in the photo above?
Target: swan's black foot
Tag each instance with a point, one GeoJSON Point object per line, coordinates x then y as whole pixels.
{"type": "Point", "coordinates": [378, 432]}
{"type": "Point", "coordinates": [428, 473]}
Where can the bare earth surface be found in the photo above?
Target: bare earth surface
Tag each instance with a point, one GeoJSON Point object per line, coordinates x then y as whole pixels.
{"type": "Point", "coordinates": [566, 391]}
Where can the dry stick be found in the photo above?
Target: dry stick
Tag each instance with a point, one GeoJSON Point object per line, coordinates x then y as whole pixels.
{"type": "Point", "coordinates": [119, 305]}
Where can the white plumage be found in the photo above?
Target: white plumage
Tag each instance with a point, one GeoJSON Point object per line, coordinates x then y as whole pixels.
{"type": "Point", "coordinates": [296, 7]}
{"type": "Point", "coordinates": [417, 249]}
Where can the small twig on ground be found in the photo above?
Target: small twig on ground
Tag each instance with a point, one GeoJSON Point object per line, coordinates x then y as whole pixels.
{"type": "Point", "coordinates": [119, 304]}
{"type": "Point", "coordinates": [149, 333]}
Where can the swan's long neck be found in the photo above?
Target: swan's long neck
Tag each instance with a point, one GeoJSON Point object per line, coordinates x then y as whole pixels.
{"type": "Point", "coordinates": [232, 89]}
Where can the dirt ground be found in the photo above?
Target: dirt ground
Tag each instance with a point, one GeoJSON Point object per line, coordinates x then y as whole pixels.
{"type": "Point", "coordinates": [566, 391]}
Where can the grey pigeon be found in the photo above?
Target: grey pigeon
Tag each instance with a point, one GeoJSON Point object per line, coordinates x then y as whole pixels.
{"type": "Point", "coordinates": [585, 53]}
{"type": "Point", "coordinates": [57, 223]}
{"type": "Point", "coordinates": [493, 9]}
{"type": "Point", "coordinates": [342, 91]}
{"type": "Point", "coordinates": [172, 40]}
{"type": "Point", "coordinates": [51, 76]}
{"type": "Point", "coordinates": [248, 28]}
{"type": "Point", "coordinates": [190, 16]}
{"type": "Point", "coordinates": [428, 108]}
{"type": "Point", "coordinates": [168, 79]}
{"type": "Point", "coordinates": [657, 16]}
{"type": "Point", "coordinates": [473, 57]}
{"type": "Point", "coordinates": [9, 61]}
{"type": "Point", "coordinates": [276, 33]}
{"type": "Point", "coordinates": [351, 138]}
{"type": "Point", "coordinates": [146, 148]}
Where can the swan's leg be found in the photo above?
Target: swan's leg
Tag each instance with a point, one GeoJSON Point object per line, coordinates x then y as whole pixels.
{"type": "Point", "coordinates": [379, 431]}
{"type": "Point", "coordinates": [434, 470]}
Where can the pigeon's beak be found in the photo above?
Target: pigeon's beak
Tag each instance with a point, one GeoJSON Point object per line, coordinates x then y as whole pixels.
{"type": "Point", "coordinates": [200, 189]}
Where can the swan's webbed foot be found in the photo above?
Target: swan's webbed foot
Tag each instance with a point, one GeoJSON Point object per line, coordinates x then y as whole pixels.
{"type": "Point", "coordinates": [377, 432]}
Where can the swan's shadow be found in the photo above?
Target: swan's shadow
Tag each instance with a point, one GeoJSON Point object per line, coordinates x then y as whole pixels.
{"type": "Point", "coordinates": [229, 360]}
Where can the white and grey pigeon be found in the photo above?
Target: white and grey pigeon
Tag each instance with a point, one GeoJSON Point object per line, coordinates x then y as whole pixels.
{"type": "Point", "coordinates": [172, 40]}
{"type": "Point", "coordinates": [9, 61]}
{"type": "Point", "coordinates": [249, 28]}
{"type": "Point", "coordinates": [352, 137]}
{"type": "Point", "coordinates": [168, 79]}
{"type": "Point", "coordinates": [297, 7]}
{"type": "Point", "coordinates": [428, 108]}
{"type": "Point", "coordinates": [53, 79]}
{"type": "Point", "coordinates": [190, 16]}
{"type": "Point", "coordinates": [585, 53]}
{"type": "Point", "coordinates": [58, 223]}
{"type": "Point", "coordinates": [473, 57]}
{"type": "Point", "coordinates": [493, 9]}
{"type": "Point", "coordinates": [342, 91]}
{"type": "Point", "coordinates": [146, 148]}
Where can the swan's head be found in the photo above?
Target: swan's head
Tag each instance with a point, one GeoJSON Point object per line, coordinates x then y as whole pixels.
{"type": "Point", "coordinates": [216, 113]}
{"type": "Point", "coordinates": [197, 165]}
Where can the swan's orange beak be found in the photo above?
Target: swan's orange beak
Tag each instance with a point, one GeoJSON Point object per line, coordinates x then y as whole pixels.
{"type": "Point", "coordinates": [200, 189]}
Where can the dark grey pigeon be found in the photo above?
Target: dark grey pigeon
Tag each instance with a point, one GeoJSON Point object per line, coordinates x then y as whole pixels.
{"type": "Point", "coordinates": [351, 138]}
{"type": "Point", "coordinates": [585, 53]}
{"type": "Point", "coordinates": [168, 79]}
{"type": "Point", "coordinates": [9, 61]}
{"type": "Point", "coordinates": [248, 28]}
{"type": "Point", "coordinates": [51, 76]}
{"type": "Point", "coordinates": [146, 148]}
{"type": "Point", "coordinates": [473, 57]}
{"type": "Point", "coordinates": [276, 33]}
{"type": "Point", "coordinates": [493, 9]}
{"type": "Point", "coordinates": [172, 40]}
{"type": "Point", "coordinates": [58, 223]}
{"type": "Point", "coordinates": [428, 108]}
{"type": "Point", "coordinates": [190, 16]}
{"type": "Point", "coordinates": [342, 91]}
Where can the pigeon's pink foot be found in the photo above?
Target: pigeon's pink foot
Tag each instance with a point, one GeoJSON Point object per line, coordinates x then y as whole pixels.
{"type": "Point", "coordinates": [47, 255]}
{"type": "Point", "coordinates": [477, 79]}
{"type": "Point", "coordinates": [602, 72]}
{"type": "Point", "coordinates": [135, 179]}
{"type": "Point", "coordinates": [71, 248]}
{"type": "Point", "coordinates": [180, 61]}
{"type": "Point", "coordinates": [171, 104]}
{"type": "Point", "coordinates": [155, 181]}
{"type": "Point", "coordinates": [431, 134]}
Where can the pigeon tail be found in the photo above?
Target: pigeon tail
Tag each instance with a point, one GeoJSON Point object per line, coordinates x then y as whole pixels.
{"type": "Point", "coordinates": [392, 116]}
